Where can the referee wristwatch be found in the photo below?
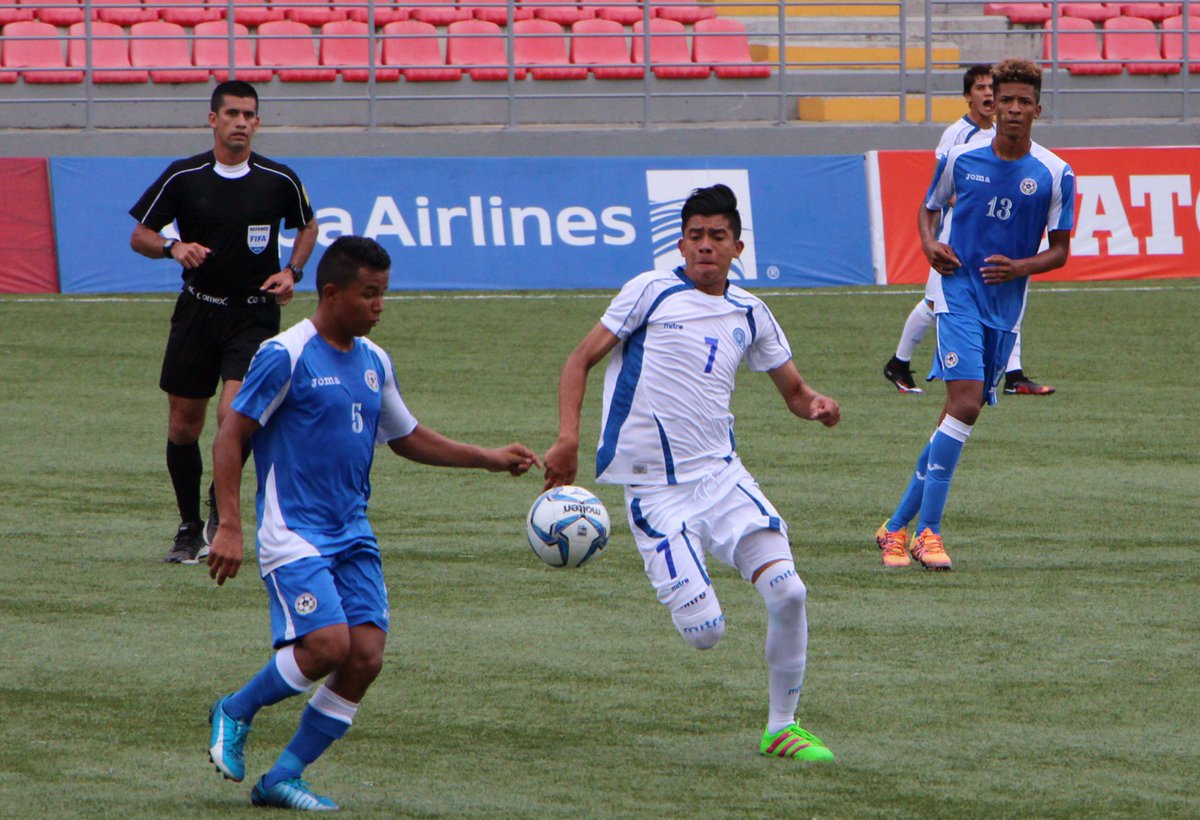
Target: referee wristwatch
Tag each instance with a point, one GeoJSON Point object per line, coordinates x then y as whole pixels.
{"type": "Point", "coordinates": [297, 272]}
{"type": "Point", "coordinates": [170, 243]}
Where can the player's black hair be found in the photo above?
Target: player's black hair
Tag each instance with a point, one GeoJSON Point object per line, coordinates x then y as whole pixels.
{"type": "Point", "coordinates": [717, 200]}
{"type": "Point", "coordinates": [342, 261]}
{"type": "Point", "coordinates": [1015, 70]}
{"type": "Point", "coordinates": [974, 73]}
{"type": "Point", "coordinates": [231, 88]}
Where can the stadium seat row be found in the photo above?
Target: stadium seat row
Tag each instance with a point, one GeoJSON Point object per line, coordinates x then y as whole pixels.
{"type": "Point", "coordinates": [319, 12]}
{"type": "Point", "coordinates": [1020, 13]}
{"type": "Point", "coordinates": [1132, 44]}
{"type": "Point", "coordinates": [164, 53]}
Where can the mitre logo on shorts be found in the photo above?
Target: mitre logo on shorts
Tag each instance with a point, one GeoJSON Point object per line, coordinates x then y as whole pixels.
{"type": "Point", "coordinates": [372, 380]}
{"type": "Point", "coordinates": [666, 192]}
{"type": "Point", "coordinates": [305, 603]}
{"type": "Point", "coordinates": [258, 237]}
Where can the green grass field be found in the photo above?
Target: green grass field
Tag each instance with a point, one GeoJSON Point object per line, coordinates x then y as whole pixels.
{"type": "Point", "coordinates": [1052, 674]}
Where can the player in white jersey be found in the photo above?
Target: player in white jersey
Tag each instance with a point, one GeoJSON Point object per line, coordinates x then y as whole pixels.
{"type": "Point", "coordinates": [677, 339]}
{"type": "Point", "coordinates": [975, 125]}
{"type": "Point", "coordinates": [1007, 194]}
{"type": "Point", "coordinates": [316, 401]}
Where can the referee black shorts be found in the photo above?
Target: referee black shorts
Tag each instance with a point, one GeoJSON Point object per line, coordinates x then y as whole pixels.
{"type": "Point", "coordinates": [211, 341]}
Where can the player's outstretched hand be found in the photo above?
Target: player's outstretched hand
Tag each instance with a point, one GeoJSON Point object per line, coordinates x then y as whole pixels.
{"type": "Point", "coordinates": [825, 410]}
{"type": "Point", "coordinates": [516, 458]}
{"type": "Point", "coordinates": [280, 285]}
{"type": "Point", "coordinates": [226, 553]}
{"type": "Point", "coordinates": [562, 463]}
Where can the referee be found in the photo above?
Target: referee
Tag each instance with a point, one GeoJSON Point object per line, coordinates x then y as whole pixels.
{"type": "Point", "coordinates": [227, 204]}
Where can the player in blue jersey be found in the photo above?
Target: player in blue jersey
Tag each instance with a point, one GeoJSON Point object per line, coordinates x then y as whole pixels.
{"type": "Point", "coordinates": [677, 339]}
{"type": "Point", "coordinates": [315, 402]}
{"type": "Point", "coordinates": [1008, 193]}
{"type": "Point", "coordinates": [976, 125]}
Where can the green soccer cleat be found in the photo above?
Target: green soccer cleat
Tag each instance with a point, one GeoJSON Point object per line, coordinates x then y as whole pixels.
{"type": "Point", "coordinates": [290, 794]}
{"type": "Point", "coordinates": [794, 743]}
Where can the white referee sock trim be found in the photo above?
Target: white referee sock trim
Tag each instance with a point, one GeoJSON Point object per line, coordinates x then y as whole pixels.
{"type": "Point", "coordinates": [955, 429]}
{"type": "Point", "coordinates": [331, 704]}
{"type": "Point", "coordinates": [285, 662]}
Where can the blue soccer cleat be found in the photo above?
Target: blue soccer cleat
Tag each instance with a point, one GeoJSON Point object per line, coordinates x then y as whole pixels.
{"type": "Point", "coordinates": [290, 794]}
{"type": "Point", "coordinates": [225, 744]}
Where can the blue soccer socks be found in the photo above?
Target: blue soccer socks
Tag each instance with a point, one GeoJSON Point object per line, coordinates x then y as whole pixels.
{"type": "Point", "coordinates": [943, 453]}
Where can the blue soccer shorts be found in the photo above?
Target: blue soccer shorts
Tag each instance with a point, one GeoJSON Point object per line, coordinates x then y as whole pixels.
{"type": "Point", "coordinates": [320, 591]}
{"type": "Point", "coordinates": [967, 349]}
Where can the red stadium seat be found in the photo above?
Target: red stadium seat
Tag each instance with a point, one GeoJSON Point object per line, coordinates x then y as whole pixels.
{"type": "Point", "coordinates": [289, 48]}
{"type": "Point", "coordinates": [1133, 41]}
{"type": "Point", "coordinates": [412, 46]}
{"type": "Point", "coordinates": [1018, 13]}
{"type": "Point", "coordinates": [437, 12]}
{"type": "Point", "coordinates": [670, 57]}
{"type": "Point", "coordinates": [563, 12]}
{"type": "Point", "coordinates": [1078, 47]}
{"type": "Point", "coordinates": [59, 13]}
{"type": "Point", "coordinates": [346, 46]}
{"type": "Point", "coordinates": [681, 11]}
{"type": "Point", "coordinates": [1096, 12]}
{"type": "Point", "coordinates": [1155, 12]}
{"type": "Point", "coordinates": [187, 12]}
{"type": "Point", "coordinates": [625, 12]}
{"type": "Point", "coordinates": [478, 46]}
{"type": "Point", "coordinates": [163, 48]}
{"type": "Point", "coordinates": [601, 46]}
{"type": "Point", "coordinates": [540, 46]}
{"type": "Point", "coordinates": [110, 53]}
{"type": "Point", "coordinates": [309, 12]}
{"type": "Point", "coordinates": [123, 12]}
{"type": "Point", "coordinates": [34, 48]}
{"type": "Point", "coordinates": [13, 12]}
{"type": "Point", "coordinates": [210, 50]}
{"type": "Point", "coordinates": [495, 11]}
{"type": "Point", "coordinates": [1172, 41]}
{"type": "Point", "coordinates": [255, 12]}
{"type": "Point", "coordinates": [721, 42]}
{"type": "Point", "coordinates": [386, 11]}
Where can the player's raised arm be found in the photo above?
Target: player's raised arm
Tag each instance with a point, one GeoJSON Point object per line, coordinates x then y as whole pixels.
{"type": "Point", "coordinates": [427, 446]}
{"type": "Point", "coordinates": [562, 459]}
{"type": "Point", "coordinates": [801, 399]}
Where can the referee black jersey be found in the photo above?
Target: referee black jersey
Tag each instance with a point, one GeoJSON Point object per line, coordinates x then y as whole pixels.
{"type": "Point", "coordinates": [237, 219]}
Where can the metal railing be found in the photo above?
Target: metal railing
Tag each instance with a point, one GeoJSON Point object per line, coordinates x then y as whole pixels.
{"type": "Point", "coordinates": [814, 48]}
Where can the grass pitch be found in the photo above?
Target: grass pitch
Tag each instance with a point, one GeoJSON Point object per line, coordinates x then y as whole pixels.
{"type": "Point", "coordinates": [1052, 674]}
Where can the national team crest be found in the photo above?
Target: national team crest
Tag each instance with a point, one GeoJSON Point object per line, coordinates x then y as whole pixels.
{"type": "Point", "coordinates": [739, 338]}
{"type": "Point", "coordinates": [258, 237]}
{"type": "Point", "coordinates": [305, 603]}
{"type": "Point", "coordinates": [1029, 186]}
{"type": "Point", "coordinates": [951, 359]}
{"type": "Point", "coordinates": [372, 380]}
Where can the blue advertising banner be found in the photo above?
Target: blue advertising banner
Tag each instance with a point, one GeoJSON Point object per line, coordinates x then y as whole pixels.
{"type": "Point", "coordinates": [506, 223]}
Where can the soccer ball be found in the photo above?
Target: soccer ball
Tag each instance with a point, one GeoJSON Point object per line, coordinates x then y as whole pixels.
{"type": "Point", "coordinates": [567, 526]}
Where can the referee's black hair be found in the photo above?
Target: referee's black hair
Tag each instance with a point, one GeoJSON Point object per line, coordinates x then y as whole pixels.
{"type": "Point", "coordinates": [342, 261]}
{"type": "Point", "coordinates": [974, 73]}
{"type": "Point", "coordinates": [232, 88]}
{"type": "Point", "coordinates": [717, 200]}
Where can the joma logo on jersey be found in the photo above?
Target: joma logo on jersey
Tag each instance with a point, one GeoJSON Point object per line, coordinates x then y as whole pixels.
{"type": "Point", "coordinates": [979, 178]}
{"type": "Point", "coordinates": [325, 381]}
{"type": "Point", "coordinates": [666, 192]}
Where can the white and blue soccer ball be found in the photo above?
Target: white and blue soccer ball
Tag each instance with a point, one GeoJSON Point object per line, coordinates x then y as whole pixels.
{"type": "Point", "coordinates": [567, 526]}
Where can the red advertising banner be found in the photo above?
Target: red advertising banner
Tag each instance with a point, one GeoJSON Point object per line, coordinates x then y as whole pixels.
{"type": "Point", "coordinates": [27, 261]}
{"type": "Point", "coordinates": [1137, 213]}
